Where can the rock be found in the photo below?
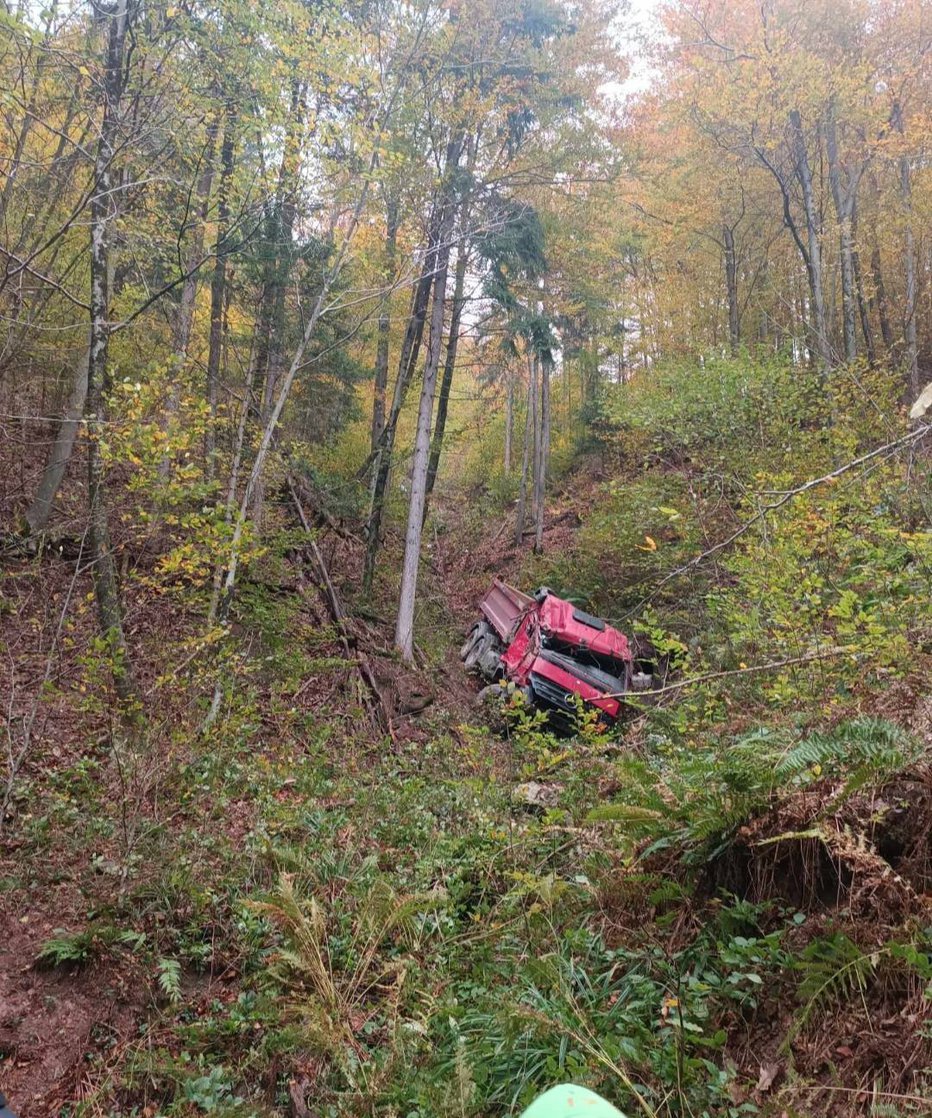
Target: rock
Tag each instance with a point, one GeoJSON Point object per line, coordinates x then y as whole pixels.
{"type": "Point", "coordinates": [412, 698]}
{"type": "Point", "coordinates": [534, 794]}
{"type": "Point", "coordinates": [768, 1074]}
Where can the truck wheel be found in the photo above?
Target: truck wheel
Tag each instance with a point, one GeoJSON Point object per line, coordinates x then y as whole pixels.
{"type": "Point", "coordinates": [471, 638]}
{"type": "Point", "coordinates": [482, 641]}
{"type": "Point", "coordinates": [493, 699]}
{"type": "Point", "coordinates": [489, 662]}
{"type": "Point", "coordinates": [496, 700]}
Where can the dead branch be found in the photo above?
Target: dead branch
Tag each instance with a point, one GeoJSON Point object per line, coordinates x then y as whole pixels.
{"type": "Point", "coordinates": [772, 666]}
{"type": "Point", "coordinates": [335, 608]}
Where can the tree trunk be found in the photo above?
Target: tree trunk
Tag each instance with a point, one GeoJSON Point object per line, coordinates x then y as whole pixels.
{"type": "Point", "coordinates": [543, 450]}
{"type": "Point", "coordinates": [443, 401]}
{"type": "Point", "coordinates": [843, 197]}
{"type": "Point", "coordinates": [282, 275]}
{"type": "Point", "coordinates": [279, 246]}
{"type": "Point", "coordinates": [520, 515]}
{"type": "Point", "coordinates": [821, 345]}
{"type": "Point", "coordinates": [404, 627]}
{"type": "Point", "coordinates": [912, 347]}
{"type": "Point", "coordinates": [283, 232]}
{"type": "Point", "coordinates": [39, 512]}
{"type": "Point", "coordinates": [263, 326]}
{"type": "Point", "coordinates": [863, 303]}
{"type": "Point", "coordinates": [456, 317]}
{"type": "Point", "coordinates": [218, 285]}
{"type": "Point", "coordinates": [98, 374]}
{"type": "Point", "coordinates": [184, 319]}
{"type": "Point", "coordinates": [731, 284]}
{"type": "Point", "coordinates": [880, 295]}
{"type": "Point", "coordinates": [909, 263]}
{"type": "Point", "coordinates": [236, 460]}
{"type": "Point", "coordinates": [385, 321]}
{"type": "Point", "coordinates": [848, 293]}
{"type": "Point", "coordinates": [410, 348]}
{"type": "Point", "coordinates": [538, 441]}
{"type": "Point", "coordinates": [509, 419]}
{"type": "Point", "coordinates": [535, 431]}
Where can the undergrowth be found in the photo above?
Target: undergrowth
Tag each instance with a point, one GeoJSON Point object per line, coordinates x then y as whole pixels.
{"type": "Point", "coordinates": [722, 908]}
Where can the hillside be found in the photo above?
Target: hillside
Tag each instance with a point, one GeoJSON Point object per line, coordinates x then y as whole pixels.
{"type": "Point", "coordinates": [324, 896]}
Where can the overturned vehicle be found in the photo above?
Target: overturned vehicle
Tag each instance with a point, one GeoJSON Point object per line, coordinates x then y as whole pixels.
{"type": "Point", "coordinates": [553, 652]}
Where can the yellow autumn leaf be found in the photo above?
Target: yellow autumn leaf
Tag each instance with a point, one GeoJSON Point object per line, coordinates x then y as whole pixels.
{"type": "Point", "coordinates": [650, 544]}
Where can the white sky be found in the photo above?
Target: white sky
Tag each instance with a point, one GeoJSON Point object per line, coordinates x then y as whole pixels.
{"type": "Point", "coordinates": [637, 24]}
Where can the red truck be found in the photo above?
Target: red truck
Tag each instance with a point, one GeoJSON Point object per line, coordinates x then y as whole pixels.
{"type": "Point", "coordinates": [552, 651]}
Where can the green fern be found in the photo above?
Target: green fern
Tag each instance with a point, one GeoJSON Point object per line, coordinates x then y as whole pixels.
{"type": "Point", "coordinates": [66, 947]}
{"type": "Point", "coordinates": [78, 948]}
{"type": "Point", "coordinates": [668, 892]}
{"type": "Point", "coordinates": [700, 797]}
{"type": "Point", "coordinates": [339, 961]}
{"type": "Point", "coordinates": [870, 750]}
{"type": "Point", "coordinates": [833, 969]}
{"type": "Point", "coordinates": [170, 980]}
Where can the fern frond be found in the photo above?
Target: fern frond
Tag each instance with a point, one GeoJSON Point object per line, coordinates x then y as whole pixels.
{"type": "Point", "coordinates": [667, 893]}
{"type": "Point", "coordinates": [832, 969]}
{"type": "Point", "coordinates": [871, 748]}
{"type": "Point", "coordinates": [789, 836]}
{"type": "Point", "coordinates": [169, 979]}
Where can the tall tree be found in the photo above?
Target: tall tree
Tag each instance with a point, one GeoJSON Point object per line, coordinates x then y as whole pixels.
{"type": "Point", "coordinates": [527, 454]}
{"type": "Point", "coordinates": [116, 21]}
{"type": "Point", "coordinates": [380, 382]}
{"type": "Point", "coordinates": [381, 457]}
{"type": "Point", "coordinates": [909, 261]}
{"type": "Point", "coordinates": [543, 449]}
{"type": "Point", "coordinates": [404, 625]}
{"type": "Point", "coordinates": [218, 282]}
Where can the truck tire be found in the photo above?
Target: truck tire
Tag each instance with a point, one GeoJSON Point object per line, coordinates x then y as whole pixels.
{"type": "Point", "coordinates": [471, 638]}
{"type": "Point", "coordinates": [481, 641]}
{"type": "Point", "coordinates": [495, 699]}
{"type": "Point", "coordinates": [489, 661]}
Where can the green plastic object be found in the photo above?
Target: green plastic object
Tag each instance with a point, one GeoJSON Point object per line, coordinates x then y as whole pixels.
{"type": "Point", "coordinates": [569, 1101]}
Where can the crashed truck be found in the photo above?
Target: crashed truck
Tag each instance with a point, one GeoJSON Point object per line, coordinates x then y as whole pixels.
{"type": "Point", "coordinates": [552, 652]}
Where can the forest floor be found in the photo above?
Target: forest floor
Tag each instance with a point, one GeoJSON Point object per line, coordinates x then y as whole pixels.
{"type": "Point", "coordinates": [146, 893]}
{"type": "Point", "coordinates": [76, 868]}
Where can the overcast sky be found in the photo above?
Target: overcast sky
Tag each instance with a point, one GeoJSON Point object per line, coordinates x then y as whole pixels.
{"type": "Point", "coordinates": [637, 24]}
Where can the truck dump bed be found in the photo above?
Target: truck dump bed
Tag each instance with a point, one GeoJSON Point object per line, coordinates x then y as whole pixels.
{"type": "Point", "coordinates": [503, 606]}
